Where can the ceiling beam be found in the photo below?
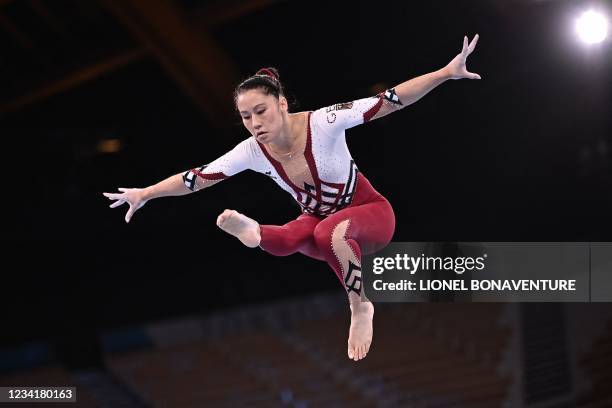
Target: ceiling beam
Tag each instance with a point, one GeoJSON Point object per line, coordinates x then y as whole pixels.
{"type": "Point", "coordinates": [198, 65]}
{"type": "Point", "coordinates": [191, 57]}
{"type": "Point", "coordinates": [72, 80]}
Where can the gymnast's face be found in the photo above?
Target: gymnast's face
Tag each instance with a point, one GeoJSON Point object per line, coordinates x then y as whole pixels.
{"type": "Point", "coordinates": [263, 115]}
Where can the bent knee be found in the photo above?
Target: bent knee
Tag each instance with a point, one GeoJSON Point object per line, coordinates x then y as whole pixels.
{"type": "Point", "coordinates": [328, 235]}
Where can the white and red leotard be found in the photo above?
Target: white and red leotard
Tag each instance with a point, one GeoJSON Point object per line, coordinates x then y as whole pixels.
{"type": "Point", "coordinates": [342, 215]}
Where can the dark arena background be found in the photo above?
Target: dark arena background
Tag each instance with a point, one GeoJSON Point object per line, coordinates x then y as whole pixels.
{"type": "Point", "coordinates": [170, 311]}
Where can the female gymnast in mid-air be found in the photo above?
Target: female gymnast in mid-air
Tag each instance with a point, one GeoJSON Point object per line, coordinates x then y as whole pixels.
{"type": "Point", "coordinates": [306, 154]}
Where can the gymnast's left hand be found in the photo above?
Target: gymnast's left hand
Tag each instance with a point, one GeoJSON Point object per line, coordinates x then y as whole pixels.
{"type": "Point", "coordinates": [457, 68]}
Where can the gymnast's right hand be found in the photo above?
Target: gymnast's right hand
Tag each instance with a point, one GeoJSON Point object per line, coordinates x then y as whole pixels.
{"type": "Point", "coordinates": [133, 196]}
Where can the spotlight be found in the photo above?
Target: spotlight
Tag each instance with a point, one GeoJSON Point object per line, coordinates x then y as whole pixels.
{"type": "Point", "coordinates": [592, 27]}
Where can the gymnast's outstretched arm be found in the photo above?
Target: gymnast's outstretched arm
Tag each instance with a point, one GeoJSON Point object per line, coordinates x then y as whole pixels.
{"type": "Point", "coordinates": [342, 116]}
{"type": "Point", "coordinates": [232, 162]}
{"type": "Point", "coordinates": [411, 91]}
{"type": "Point", "coordinates": [172, 186]}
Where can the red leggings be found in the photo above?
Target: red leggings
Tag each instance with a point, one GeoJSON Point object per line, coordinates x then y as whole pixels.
{"type": "Point", "coordinates": [364, 227]}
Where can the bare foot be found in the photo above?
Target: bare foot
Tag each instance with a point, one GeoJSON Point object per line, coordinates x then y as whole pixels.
{"type": "Point", "coordinates": [239, 225]}
{"type": "Point", "coordinates": [361, 331]}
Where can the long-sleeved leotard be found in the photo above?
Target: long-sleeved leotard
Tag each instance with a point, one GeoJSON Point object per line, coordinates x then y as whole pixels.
{"type": "Point", "coordinates": [342, 215]}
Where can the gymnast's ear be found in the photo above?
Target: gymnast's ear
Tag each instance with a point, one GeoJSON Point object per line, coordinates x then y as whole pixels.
{"type": "Point", "coordinates": [284, 105]}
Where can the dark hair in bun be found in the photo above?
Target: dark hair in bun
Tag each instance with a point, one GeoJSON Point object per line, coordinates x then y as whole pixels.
{"type": "Point", "coordinates": [266, 79]}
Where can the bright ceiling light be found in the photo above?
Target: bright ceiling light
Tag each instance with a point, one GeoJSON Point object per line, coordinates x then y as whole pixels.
{"type": "Point", "coordinates": [592, 27]}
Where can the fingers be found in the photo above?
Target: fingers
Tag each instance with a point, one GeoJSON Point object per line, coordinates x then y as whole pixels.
{"type": "Point", "coordinates": [473, 44]}
{"type": "Point", "coordinates": [114, 196]}
{"type": "Point", "coordinates": [129, 214]}
{"type": "Point", "coordinates": [465, 45]}
{"type": "Point", "coordinates": [116, 204]}
{"type": "Point", "coordinates": [468, 48]}
{"type": "Point", "coordinates": [120, 200]}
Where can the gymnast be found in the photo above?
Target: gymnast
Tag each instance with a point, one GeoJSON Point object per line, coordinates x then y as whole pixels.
{"type": "Point", "coordinates": [305, 153]}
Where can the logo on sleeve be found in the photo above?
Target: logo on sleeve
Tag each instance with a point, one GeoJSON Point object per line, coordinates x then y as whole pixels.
{"type": "Point", "coordinates": [339, 106]}
{"type": "Point", "coordinates": [331, 116]}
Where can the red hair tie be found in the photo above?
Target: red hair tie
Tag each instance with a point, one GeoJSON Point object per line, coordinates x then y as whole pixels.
{"type": "Point", "coordinates": [267, 72]}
